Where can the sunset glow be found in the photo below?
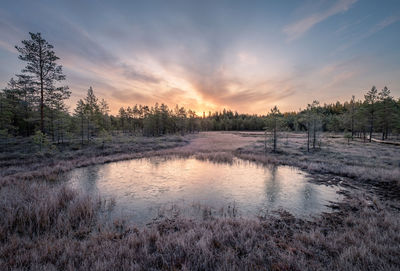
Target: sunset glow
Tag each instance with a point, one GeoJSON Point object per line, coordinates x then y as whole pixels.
{"type": "Point", "coordinates": [210, 55]}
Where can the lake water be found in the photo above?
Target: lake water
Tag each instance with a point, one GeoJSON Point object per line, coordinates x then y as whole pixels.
{"type": "Point", "coordinates": [147, 188]}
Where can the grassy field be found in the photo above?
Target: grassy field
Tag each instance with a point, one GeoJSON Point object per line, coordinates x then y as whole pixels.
{"type": "Point", "coordinates": [373, 164]}
{"type": "Point", "coordinates": [22, 160]}
{"type": "Point", "coordinates": [45, 225]}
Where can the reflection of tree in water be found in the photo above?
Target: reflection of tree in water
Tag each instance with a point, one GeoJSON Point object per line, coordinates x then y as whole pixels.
{"type": "Point", "coordinates": [309, 197]}
{"type": "Point", "coordinates": [155, 162]}
{"type": "Point", "coordinates": [272, 187]}
{"type": "Point", "coordinates": [89, 177]}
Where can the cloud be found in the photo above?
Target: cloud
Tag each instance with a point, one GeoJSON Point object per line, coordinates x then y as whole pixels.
{"type": "Point", "coordinates": [136, 74]}
{"type": "Point", "coordinates": [374, 29]}
{"type": "Point", "coordinates": [128, 95]}
{"type": "Point", "coordinates": [85, 49]}
{"type": "Point", "coordinates": [383, 24]}
{"type": "Point", "coordinates": [9, 34]}
{"type": "Point", "coordinates": [244, 98]}
{"type": "Point", "coordinates": [181, 49]}
{"type": "Point", "coordinates": [6, 46]}
{"type": "Point", "coordinates": [203, 55]}
{"type": "Point", "coordinates": [297, 29]}
{"type": "Point", "coordinates": [243, 93]}
{"type": "Point", "coordinates": [340, 79]}
{"type": "Point", "coordinates": [170, 97]}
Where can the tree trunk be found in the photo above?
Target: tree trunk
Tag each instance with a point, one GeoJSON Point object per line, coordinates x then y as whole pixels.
{"type": "Point", "coordinates": [308, 137]}
{"type": "Point", "coordinates": [62, 131]}
{"type": "Point", "coordinates": [41, 107]}
{"type": "Point", "coordinates": [52, 125]}
{"type": "Point", "coordinates": [41, 90]}
{"type": "Point", "coordinates": [58, 131]}
{"type": "Point", "coordinates": [26, 114]}
{"type": "Point", "coordinates": [314, 134]}
{"type": "Point", "coordinates": [88, 130]}
{"type": "Point", "coordinates": [384, 124]}
{"type": "Point", "coordinates": [371, 128]}
{"type": "Point", "coordinates": [352, 126]}
{"type": "Point", "coordinates": [82, 131]}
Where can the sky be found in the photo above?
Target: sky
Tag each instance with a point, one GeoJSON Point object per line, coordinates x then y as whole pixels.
{"type": "Point", "coordinates": [209, 55]}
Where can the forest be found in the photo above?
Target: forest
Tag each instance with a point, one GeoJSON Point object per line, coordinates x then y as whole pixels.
{"type": "Point", "coordinates": [33, 105]}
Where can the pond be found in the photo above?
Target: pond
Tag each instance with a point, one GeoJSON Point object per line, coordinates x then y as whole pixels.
{"type": "Point", "coordinates": [150, 188]}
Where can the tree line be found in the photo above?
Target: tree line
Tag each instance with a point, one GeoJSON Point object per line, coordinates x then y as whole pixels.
{"type": "Point", "coordinates": [33, 104]}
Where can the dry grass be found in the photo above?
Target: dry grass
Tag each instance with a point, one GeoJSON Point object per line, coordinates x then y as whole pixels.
{"type": "Point", "coordinates": [32, 209]}
{"type": "Point", "coordinates": [217, 142]}
{"type": "Point", "coordinates": [56, 229]}
{"type": "Point", "coordinates": [371, 164]}
{"type": "Point", "coordinates": [45, 226]}
{"type": "Point", "coordinates": [48, 166]}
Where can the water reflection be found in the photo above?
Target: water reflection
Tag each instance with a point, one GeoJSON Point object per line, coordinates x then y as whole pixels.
{"type": "Point", "coordinates": [91, 175]}
{"type": "Point", "coordinates": [144, 186]}
{"type": "Point", "coordinates": [272, 187]}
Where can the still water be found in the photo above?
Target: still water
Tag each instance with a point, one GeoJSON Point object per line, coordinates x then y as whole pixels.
{"type": "Point", "coordinates": [145, 189]}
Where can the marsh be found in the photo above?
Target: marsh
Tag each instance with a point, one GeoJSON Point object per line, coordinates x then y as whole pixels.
{"type": "Point", "coordinates": [144, 189]}
{"type": "Point", "coordinates": [41, 211]}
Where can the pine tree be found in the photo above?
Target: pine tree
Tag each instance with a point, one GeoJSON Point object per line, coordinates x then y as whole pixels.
{"type": "Point", "coordinates": [91, 111]}
{"type": "Point", "coordinates": [80, 113]}
{"type": "Point", "coordinates": [274, 124]}
{"type": "Point", "coordinates": [313, 124]}
{"type": "Point", "coordinates": [385, 111]}
{"type": "Point", "coordinates": [104, 111]}
{"type": "Point", "coordinates": [370, 103]}
{"type": "Point", "coordinates": [122, 116]}
{"type": "Point", "coordinates": [42, 70]}
{"type": "Point", "coordinates": [352, 111]}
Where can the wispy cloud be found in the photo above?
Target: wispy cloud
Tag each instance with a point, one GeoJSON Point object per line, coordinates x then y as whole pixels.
{"type": "Point", "coordinates": [8, 47]}
{"type": "Point", "coordinates": [374, 29]}
{"type": "Point", "coordinates": [136, 74]}
{"type": "Point", "coordinates": [384, 23]}
{"type": "Point", "coordinates": [206, 55]}
{"type": "Point", "coordinates": [339, 79]}
{"type": "Point", "coordinates": [9, 33]}
{"type": "Point", "coordinates": [297, 29]}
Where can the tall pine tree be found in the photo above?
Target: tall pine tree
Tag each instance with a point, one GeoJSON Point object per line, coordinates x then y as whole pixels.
{"type": "Point", "coordinates": [43, 71]}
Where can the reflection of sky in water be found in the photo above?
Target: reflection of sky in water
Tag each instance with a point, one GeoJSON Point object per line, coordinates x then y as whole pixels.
{"type": "Point", "coordinates": [143, 186]}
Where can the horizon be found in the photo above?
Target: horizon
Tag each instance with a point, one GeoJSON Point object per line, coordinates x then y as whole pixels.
{"type": "Point", "coordinates": [210, 56]}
